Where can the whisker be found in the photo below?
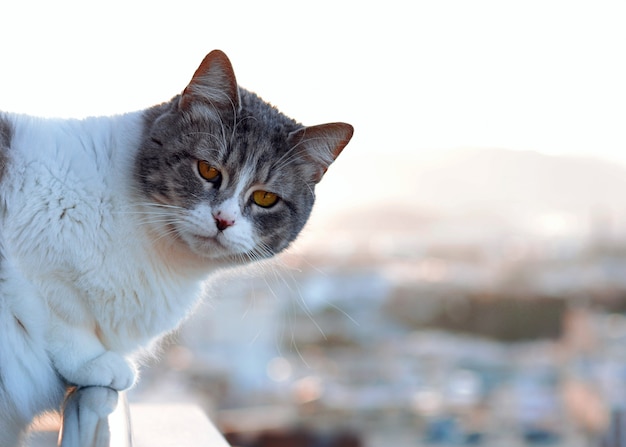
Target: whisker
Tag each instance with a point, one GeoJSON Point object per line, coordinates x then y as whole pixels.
{"type": "Point", "coordinates": [237, 123]}
{"type": "Point", "coordinates": [289, 159]}
{"type": "Point", "coordinates": [294, 344]}
{"type": "Point", "coordinates": [289, 151]}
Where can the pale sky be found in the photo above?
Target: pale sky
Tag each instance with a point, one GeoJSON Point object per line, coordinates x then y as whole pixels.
{"type": "Point", "coordinates": [409, 75]}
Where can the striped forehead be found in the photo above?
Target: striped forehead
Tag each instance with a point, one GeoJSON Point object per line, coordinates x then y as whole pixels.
{"type": "Point", "coordinates": [250, 157]}
{"type": "Point", "coordinates": [245, 177]}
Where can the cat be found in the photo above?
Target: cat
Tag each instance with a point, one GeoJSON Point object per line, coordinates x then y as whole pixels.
{"type": "Point", "coordinates": [110, 225]}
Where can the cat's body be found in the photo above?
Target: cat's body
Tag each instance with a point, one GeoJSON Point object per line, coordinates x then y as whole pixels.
{"type": "Point", "coordinates": [108, 226]}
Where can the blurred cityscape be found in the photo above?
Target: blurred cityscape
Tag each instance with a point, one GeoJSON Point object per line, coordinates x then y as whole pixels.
{"type": "Point", "coordinates": [480, 302]}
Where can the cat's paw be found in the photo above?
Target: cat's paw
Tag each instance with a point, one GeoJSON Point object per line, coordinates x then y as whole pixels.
{"type": "Point", "coordinates": [109, 369]}
{"type": "Point", "coordinates": [85, 413]}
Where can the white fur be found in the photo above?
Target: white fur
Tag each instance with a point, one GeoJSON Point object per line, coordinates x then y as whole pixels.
{"type": "Point", "coordinates": [84, 286]}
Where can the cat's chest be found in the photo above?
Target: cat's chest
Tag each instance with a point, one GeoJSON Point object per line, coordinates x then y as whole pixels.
{"type": "Point", "coordinates": [130, 304]}
{"type": "Point", "coordinates": [124, 306]}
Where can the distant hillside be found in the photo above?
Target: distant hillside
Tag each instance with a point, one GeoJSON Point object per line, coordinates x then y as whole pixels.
{"type": "Point", "coordinates": [476, 180]}
{"type": "Point", "coordinates": [522, 179]}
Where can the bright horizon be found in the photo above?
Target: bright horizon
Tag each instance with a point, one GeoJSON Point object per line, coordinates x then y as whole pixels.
{"type": "Point", "coordinates": [410, 76]}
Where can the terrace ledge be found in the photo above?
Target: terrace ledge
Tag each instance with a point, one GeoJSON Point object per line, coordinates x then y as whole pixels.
{"type": "Point", "coordinates": [100, 417]}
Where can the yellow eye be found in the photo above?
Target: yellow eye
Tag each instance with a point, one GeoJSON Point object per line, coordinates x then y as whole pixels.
{"type": "Point", "coordinates": [208, 172]}
{"type": "Point", "coordinates": [265, 199]}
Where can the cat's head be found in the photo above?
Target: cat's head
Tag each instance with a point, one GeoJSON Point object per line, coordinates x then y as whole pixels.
{"type": "Point", "coordinates": [226, 175]}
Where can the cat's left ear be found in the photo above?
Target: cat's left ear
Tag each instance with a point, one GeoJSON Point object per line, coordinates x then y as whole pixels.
{"type": "Point", "coordinates": [213, 83]}
{"type": "Point", "coordinates": [321, 144]}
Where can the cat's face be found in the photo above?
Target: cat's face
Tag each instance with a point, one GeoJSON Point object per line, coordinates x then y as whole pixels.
{"type": "Point", "coordinates": [226, 175]}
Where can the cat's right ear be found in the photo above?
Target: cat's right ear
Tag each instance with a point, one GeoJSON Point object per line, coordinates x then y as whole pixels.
{"type": "Point", "coordinates": [213, 84]}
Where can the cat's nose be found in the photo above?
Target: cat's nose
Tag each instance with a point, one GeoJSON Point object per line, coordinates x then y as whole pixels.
{"type": "Point", "coordinates": [222, 222]}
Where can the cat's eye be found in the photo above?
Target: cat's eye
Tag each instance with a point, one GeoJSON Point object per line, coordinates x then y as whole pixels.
{"type": "Point", "coordinates": [264, 199]}
{"type": "Point", "coordinates": [208, 172]}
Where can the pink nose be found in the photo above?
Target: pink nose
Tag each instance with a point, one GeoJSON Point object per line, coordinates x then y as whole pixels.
{"type": "Point", "coordinates": [222, 223]}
